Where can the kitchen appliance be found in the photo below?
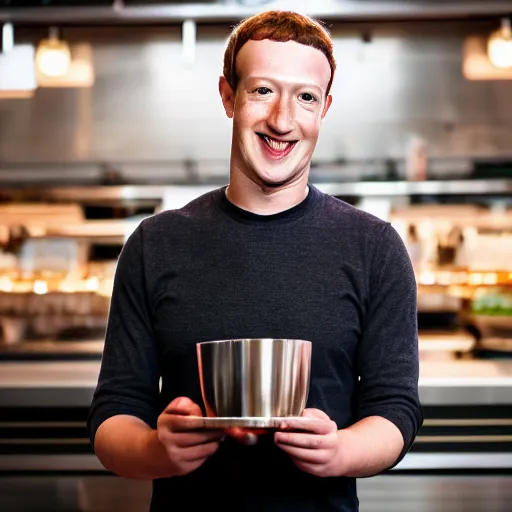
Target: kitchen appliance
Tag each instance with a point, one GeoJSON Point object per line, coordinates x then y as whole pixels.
{"type": "Point", "coordinates": [253, 382]}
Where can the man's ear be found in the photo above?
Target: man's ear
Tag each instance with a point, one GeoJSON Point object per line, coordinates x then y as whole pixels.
{"type": "Point", "coordinates": [227, 95]}
{"type": "Point", "coordinates": [328, 102]}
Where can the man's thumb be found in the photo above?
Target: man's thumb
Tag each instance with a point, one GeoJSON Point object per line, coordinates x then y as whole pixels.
{"type": "Point", "coordinates": [315, 413]}
{"type": "Point", "coordinates": [184, 407]}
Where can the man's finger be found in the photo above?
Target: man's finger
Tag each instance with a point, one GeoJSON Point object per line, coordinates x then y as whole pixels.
{"type": "Point", "coordinates": [299, 440]}
{"type": "Point", "coordinates": [189, 423]}
{"type": "Point", "coordinates": [184, 406]}
{"type": "Point", "coordinates": [200, 452]}
{"type": "Point", "coordinates": [195, 438]}
{"type": "Point", "coordinates": [304, 454]}
{"type": "Point", "coordinates": [313, 425]}
{"type": "Point", "coordinates": [315, 413]}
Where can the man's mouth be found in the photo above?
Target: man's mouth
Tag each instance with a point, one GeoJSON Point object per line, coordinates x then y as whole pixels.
{"type": "Point", "coordinates": [276, 148]}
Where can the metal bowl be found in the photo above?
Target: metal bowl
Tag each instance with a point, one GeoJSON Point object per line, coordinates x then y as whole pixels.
{"type": "Point", "coordinates": [254, 378]}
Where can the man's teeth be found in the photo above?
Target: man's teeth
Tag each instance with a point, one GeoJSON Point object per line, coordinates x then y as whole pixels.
{"type": "Point", "coordinates": [276, 145]}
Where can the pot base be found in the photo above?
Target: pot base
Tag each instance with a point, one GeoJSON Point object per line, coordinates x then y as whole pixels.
{"type": "Point", "coordinates": [251, 422]}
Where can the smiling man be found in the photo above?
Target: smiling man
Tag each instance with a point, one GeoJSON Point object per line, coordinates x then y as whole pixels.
{"type": "Point", "coordinates": [267, 256]}
{"type": "Point", "coordinates": [277, 106]}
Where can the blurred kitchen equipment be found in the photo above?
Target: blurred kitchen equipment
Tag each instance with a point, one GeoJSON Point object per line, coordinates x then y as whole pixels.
{"type": "Point", "coordinates": [253, 382]}
{"type": "Point", "coordinates": [449, 239]}
{"type": "Point", "coordinates": [491, 314]}
{"type": "Point", "coordinates": [12, 330]}
{"type": "Point", "coordinates": [24, 231]}
{"type": "Point", "coordinates": [49, 287]}
{"type": "Point", "coordinates": [416, 159]}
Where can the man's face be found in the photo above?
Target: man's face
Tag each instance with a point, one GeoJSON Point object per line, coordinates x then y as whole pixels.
{"type": "Point", "coordinates": [277, 110]}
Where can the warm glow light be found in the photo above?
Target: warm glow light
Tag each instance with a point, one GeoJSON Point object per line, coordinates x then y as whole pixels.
{"type": "Point", "coordinates": [40, 287]}
{"type": "Point", "coordinates": [66, 286]}
{"type": "Point", "coordinates": [499, 47]}
{"type": "Point", "coordinates": [476, 279]}
{"type": "Point", "coordinates": [490, 279]}
{"type": "Point", "coordinates": [92, 284]}
{"type": "Point", "coordinates": [460, 278]}
{"type": "Point", "coordinates": [427, 278]}
{"type": "Point", "coordinates": [53, 56]}
{"type": "Point", "coordinates": [444, 278]}
{"type": "Point", "coordinates": [5, 284]}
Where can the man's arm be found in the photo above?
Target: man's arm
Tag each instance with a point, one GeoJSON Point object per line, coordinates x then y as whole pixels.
{"type": "Point", "coordinates": [366, 448]}
{"type": "Point", "coordinates": [124, 408]}
{"type": "Point", "coordinates": [389, 413]}
{"type": "Point", "coordinates": [130, 433]}
{"type": "Point", "coordinates": [369, 447]}
{"type": "Point", "coordinates": [388, 357]}
{"type": "Point", "coordinates": [130, 448]}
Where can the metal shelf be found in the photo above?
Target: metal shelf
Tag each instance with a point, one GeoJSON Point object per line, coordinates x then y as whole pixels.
{"type": "Point", "coordinates": [155, 193]}
{"type": "Point", "coordinates": [431, 187]}
{"type": "Point", "coordinates": [348, 10]}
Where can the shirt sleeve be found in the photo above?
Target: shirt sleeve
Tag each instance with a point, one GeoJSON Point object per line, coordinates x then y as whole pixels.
{"type": "Point", "coordinates": [388, 352]}
{"type": "Point", "coordinates": [128, 381]}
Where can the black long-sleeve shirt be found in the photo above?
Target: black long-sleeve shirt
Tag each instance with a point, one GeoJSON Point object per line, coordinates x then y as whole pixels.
{"type": "Point", "coordinates": [323, 271]}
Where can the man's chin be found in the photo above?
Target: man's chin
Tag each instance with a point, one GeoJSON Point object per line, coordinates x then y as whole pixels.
{"type": "Point", "coordinates": [271, 182]}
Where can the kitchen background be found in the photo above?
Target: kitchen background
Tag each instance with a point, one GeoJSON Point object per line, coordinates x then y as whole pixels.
{"type": "Point", "coordinates": [394, 82]}
{"type": "Point", "coordinates": [419, 133]}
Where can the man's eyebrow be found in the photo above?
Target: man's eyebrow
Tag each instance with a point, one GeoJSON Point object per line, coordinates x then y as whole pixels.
{"type": "Point", "coordinates": [278, 80]}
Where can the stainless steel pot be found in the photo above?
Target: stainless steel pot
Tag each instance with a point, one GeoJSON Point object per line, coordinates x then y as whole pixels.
{"type": "Point", "coordinates": [247, 378]}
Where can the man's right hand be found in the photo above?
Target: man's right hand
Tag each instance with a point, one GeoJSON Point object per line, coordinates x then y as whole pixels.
{"type": "Point", "coordinates": [179, 430]}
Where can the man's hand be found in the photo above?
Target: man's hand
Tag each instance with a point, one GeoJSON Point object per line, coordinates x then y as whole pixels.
{"type": "Point", "coordinates": [316, 449]}
{"type": "Point", "coordinates": [179, 430]}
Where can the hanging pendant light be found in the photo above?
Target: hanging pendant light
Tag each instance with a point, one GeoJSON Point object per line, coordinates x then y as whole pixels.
{"type": "Point", "coordinates": [17, 73]}
{"type": "Point", "coordinates": [7, 38]}
{"type": "Point", "coordinates": [499, 47]}
{"type": "Point", "coordinates": [53, 56]}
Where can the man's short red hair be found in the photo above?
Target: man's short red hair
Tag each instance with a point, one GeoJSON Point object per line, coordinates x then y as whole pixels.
{"type": "Point", "coordinates": [278, 26]}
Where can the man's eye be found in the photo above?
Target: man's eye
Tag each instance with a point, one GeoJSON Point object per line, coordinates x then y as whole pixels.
{"type": "Point", "coordinates": [309, 98]}
{"type": "Point", "coordinates": [263, 90]}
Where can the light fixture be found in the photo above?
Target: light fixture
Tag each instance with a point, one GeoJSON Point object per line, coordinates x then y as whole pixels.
{"type": "Point", "coordinates": [7, 37]}
{"type": "Point", "coordinates": [53, 55]}
{"type": "Point", "coordinates": [80, 72]}
{"type": "Point", "coordinates": [17, 77]}
{"type": "Point", "coordinates": [499, 46]}
{"type": "Point", "coordinates": [17, 72]}
{"type": "Point", "coordinates": [188, 42]}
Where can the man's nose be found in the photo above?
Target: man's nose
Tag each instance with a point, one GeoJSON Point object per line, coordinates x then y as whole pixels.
{"type": "Point", "coordinates": [281, 118]}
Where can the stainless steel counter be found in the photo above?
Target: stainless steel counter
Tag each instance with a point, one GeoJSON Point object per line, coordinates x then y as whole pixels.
{"type": "Point", "coordinates": [71, 383]}
{"type": "Point", "coordinates": [396, 492]}
{"type": "Point", "coordinates": [472, 433]}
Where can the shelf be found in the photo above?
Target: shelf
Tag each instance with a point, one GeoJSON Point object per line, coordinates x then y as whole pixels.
{"type": "Point", "coordinates": [227, 12]}
{"type": "Point", "coordinates": [439, 279]}
{"type": "Point", "coordinates": [155, 193]}
{"type": "Point", "coordinates": [100, 231]}
{"type": "Point", "coordinates": [404, 188]}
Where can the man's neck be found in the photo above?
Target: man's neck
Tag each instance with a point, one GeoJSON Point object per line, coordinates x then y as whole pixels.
{"type": "Point", "coordinates": [249, 196]}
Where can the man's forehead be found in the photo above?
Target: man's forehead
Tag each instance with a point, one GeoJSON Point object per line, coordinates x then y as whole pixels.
{"type": "Point", "coordinates": [287, 61]}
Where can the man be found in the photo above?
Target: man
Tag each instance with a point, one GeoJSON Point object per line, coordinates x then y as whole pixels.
{"type": "Point", "coordinates": [267, 256]}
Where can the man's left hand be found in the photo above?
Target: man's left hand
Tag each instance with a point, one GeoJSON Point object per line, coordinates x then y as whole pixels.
{"type": "Point", "coordinates": [316, 448]}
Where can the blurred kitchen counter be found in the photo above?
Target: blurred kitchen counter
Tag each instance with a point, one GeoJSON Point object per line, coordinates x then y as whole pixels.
{"type": "Point", "coordinates": [431, 344]}
{"type": "Point", "coordinates": [72, 383]}
{"type": "Point", "coordinates": [53, 351]}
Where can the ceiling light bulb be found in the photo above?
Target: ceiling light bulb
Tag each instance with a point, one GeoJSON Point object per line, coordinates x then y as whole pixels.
{"type": "Point", "coordinates": [499, 47]}
{"type": "Point", "coordinates": [53, 57]}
